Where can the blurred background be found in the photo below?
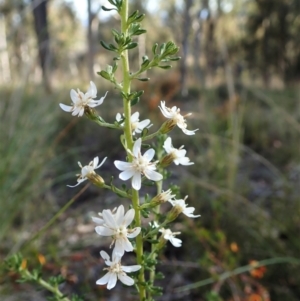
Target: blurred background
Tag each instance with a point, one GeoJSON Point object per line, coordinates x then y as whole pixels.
{"type": "Point", "coordinates": [239, 75]}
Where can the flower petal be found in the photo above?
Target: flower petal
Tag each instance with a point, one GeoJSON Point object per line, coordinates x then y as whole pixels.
{"type": "Point", "coordinates": [135, 117]}
{"type": "Point", "coordinates": [104, 279]}
{"type": "Point", "coordinates": [98, 220]}
{"type": "Point", "coordinates": [95, 162]}
{"type": "Point", "coordinates": [188, 132]}
{"type": "Point", "coordinates": [104, 231]}
{"type": "Point", "coordinates": [176, 242]}
{"type": "Point", "coordinates": [153, 175]}
{"type": "Point", "coordinates": [102, 162]}
{"type": "Point", "coordinates": [135, 232]}
{"type": "Point", "coordinates": [65, 107]}
{"type": "Point", "coordinates": [112, 281]}
{"type": "Point", "coordinates": [130, 268]}
{"type": "Point", "coordinates": [109, 219]}
{"type": "Point", "coordinates": [149, 154]}
{"type": "Point", "coordinates": [168, 145]}
{"type": "Point", "coordinates": [128, 218]}
{"type": "Point", "coordinates": [119, 215]}
{"type": "Point", "coordinates": [105, 256]}
{"type": "Point", "coordinates": [125, 279]}
{"type": "Point", "coordinates": [127, 174]}
{"type": "Point", "coordinates": [74, 96]}
{"type": "Point", "coordinates": [79, 182]}
{"type": "Point", "coordinates": [121, 165]}
{"type": "Point", "coordinates": [93, 90]}
{"type": "Point", "coordinates": [137, 147]}
{"type": "Point", "coordinates": [136, 181]}
{"type": "Point", "coordinates": [127, 246]}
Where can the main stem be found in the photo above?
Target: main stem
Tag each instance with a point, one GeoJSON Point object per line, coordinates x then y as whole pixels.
{"type": "Point", "coordinates": [129, 145]}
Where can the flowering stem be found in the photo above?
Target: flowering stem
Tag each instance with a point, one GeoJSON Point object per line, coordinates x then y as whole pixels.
{"type": "Point", "coordinates": [151, 135]}
{"type": "Point", "coordinates": [129, 145]}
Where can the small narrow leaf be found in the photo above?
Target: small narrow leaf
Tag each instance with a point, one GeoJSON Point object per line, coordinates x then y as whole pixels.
{"type": "Point", "coordinates": [154, 48]}
{"type": "Point", "coordinates": [165, 67]}
{"type": "Point", "coordinates": [131, 45]}
{"type": "Point", "coordinates": [105, 45]}
{"type": "Point", "coordinates": [134, 101]}
{"type": "Point", "coordinates": [104, 74]}
{"type": "Point", "coordinates": [107, 9]}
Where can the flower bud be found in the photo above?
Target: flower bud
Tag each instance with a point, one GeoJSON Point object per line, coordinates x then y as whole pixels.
{"type": "Point", "coordinates": [161, 242]}
{"type": "Point", "coordinates": [167, 160]}
{"type": "Point", "coordinates": [96, 179]}
{"type": "Point", "coordinates": [167, 126]}
{"type": "Point", "coordinates": [90, 113]}
{"type": "Point", "coordinates": [173, 214]}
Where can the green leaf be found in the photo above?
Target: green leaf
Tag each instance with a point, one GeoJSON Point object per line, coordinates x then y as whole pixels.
{"type": "Point", "coordinates": [107, 9]}
{"type": "Point", "coordinates": [139, 93]}
{"type": "Point", "coordinates": [154, 48]}
{"type": "Point", "coordinates": [162, 48]}
{"type": "Point", "coordinates": [165, 67]}
{"type": "Point", "coordinates": [140, 18]}
{"type": "Point", "coordinates": [134, 101]}
{"type": "Point", "coordinates": [145, 63]}
{"type": "Point", "coordinates": [132, 17]}
{"type": "Point", "coordinates": [131, 45]}
{"type": "Point", "coordinates": [105, 45]}
{"type": "Point", "coordinates": [139, 32]}
{"type": "Point", "coordinates": [115, 67]}
{"type": "Point", "coordinates": [104, 74]}
{"type": "Point", "coordinates": [175, 58]}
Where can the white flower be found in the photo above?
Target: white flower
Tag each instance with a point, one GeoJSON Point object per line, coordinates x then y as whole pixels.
{"type": "Point", "coordinates": [115, 225]}
{"type": "Point", "coordinates": [166, 196]}
{"type": "Point", "coordinates": [178, 155]}
{"type": "Point", "coordinates": [181, 206]}
{"type": "Point", "coordinates": [137, 126]}
{"type": "Point", "coordinates": [140, 165]}
{"type": "Point", "coordinates": [116, 271]}
{"type": "Point", "coordinates": [176, 117]}
{"type": "Point", "coordinates": [81, 100]}
{"type": "Point", "coordinates": [169, 235]}
{"type": "Point", "coordinates": [88, 171]}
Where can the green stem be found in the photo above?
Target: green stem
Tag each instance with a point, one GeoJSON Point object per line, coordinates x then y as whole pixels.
{"type": "Point", "coordinates": [151, 135]}
{"type": "Point", "coordinates": [47, 286]}
{"type": "Point", "coordinates": [129, 145]}
{"type": "Point", "coordinates": [117, 191]}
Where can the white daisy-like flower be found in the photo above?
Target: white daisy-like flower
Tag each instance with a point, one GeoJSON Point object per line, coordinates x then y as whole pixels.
{"type": "Point", "coordinates": [88, 172]}
{"type": "Point", "coordinates": [137, 126]}
{"type": "Point", "coordinates": [139, 166]}
{"type": "Point", "coordinates": [166, 196]}
{"type": "Point", "coordinates": [115, 225]}
{"type": "Point", "coordinates": [176, 118]}
{"type": "Point", "coordinates": [81, 100]}
{"type": "Point", "coordinates": [181, 206]}
{"type": "Point", "coordinates": [177, 155]}
{"type": "Point", "coordinates": [159, 199]}
{"type": "Point", "coordinates": [116, 271]}
{"type": "Point", "coordinates": [167, 234]}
